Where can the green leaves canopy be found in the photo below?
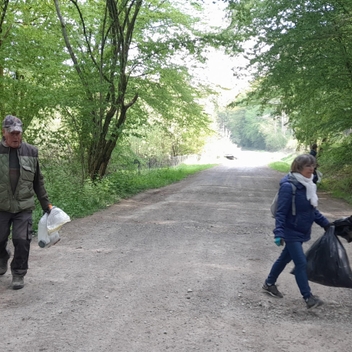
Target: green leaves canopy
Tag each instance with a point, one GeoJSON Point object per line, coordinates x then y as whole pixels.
{"type": "Point", "coordinates": [103, 67]}
{"type": "Point", "coordinates": [302, 58]}
{"type": "Point", "coordinates": [127, 52]}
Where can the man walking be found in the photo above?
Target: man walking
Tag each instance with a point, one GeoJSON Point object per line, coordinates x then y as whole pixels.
{"type": "Point", "coordinates": [20, 180]}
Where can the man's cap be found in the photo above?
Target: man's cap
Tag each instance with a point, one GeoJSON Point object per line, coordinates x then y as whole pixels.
{"type": "Point", "coordinates": [12, 124]}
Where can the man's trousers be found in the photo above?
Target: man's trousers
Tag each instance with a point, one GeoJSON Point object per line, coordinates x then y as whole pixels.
{"type": "Point", "coordinates": [19, 225]}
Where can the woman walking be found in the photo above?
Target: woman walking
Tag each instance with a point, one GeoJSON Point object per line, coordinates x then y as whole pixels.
{"type": "Point", "coordinates": [292, 228]}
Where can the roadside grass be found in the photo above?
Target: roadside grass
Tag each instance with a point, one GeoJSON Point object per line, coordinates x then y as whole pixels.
{"type": "Point", "coordinates": [79, 200]}
{"type": "Point", "coordinates": [280, 166]}
{"type": "Point", "coordinates": [283, 165]}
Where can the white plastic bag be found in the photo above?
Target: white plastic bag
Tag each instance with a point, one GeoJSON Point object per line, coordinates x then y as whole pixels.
{"type": "Point", "coordinates": [43, 236]}
{"type": "Point", "coordinates": [49, 226]}
{"type": "Point", "coordinates": [44, 239]}
{"type": "Point", "coordinates": [320, 176]}
{"type": "Point", "coordinates": [56, 219]}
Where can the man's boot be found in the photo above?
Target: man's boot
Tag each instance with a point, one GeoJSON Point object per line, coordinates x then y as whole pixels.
{"type": "Point", "coordinates": [17, 282]}
{"type": "Point", "coordinates": [3, 262]}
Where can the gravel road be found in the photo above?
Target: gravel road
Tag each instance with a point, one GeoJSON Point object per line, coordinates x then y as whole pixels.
{"type": "Point", "coordinates": [175, 269]}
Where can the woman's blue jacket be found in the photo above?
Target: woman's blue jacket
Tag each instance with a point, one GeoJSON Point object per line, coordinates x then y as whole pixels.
{"type": "Point", "coordinates": [295, 228]}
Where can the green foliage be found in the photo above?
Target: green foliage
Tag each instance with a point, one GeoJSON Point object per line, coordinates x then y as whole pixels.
{"type": "Point", "coordinates": [30, 58]}
{"type": "Point", "coordinates": [283, 165]}
{"type": "Point", "coordinates": [289, 158]}
{"type": "Point", "coordinates": [153, 146]}
{"type": "Point", "coordinates": [280, 166]}
{"type": "Point", "coordinates": [302, 60]}
{"type": "Point", "coordinates": [83, 74]}
{"type": "Point", "coordinates": [244, 127]}
{"type": "Point", "coordinates": [130, 69]}
{"type": "Point", "coordinates": [273, 136]}
{"type": "Point", "coordinates": [335, 162]}
{"type": "Point", "coordinates": [254, 128]}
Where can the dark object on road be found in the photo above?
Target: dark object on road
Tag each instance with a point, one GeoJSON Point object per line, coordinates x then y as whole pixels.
{"type": "Point", "coordinates": [327, 262]}
{"type": "Point", "coordinates": [230, 157]}
{"type": "Point", "coordinates": [343, 228]}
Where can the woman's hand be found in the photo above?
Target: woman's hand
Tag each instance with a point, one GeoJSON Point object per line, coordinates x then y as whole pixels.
{"type": "Point", "coordinates": [279, 241]}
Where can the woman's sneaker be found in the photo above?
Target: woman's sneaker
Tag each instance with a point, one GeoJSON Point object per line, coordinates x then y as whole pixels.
{"type": "Point", "coordinates": [272, 290]}
{"type": "Point", "coordinates": [313, 302]}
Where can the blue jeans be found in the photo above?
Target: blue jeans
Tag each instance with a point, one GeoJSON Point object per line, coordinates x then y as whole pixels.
{"type": "Point", "coordinates": [292, 251]}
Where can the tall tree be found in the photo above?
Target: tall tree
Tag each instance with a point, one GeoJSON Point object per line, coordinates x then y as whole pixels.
{"type": "Point", "coordinates": [121, 51]}
{"type": "Point", "coordinates": [302, 59]}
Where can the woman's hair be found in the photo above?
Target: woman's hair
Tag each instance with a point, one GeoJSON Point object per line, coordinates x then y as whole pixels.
{"type": "Point", "coordinates": [301, 161]}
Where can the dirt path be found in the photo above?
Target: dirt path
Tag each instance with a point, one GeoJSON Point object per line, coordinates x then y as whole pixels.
{"type": "Point", "coordinates": [174, 269]}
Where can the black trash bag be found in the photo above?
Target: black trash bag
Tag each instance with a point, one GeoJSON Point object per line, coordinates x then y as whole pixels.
{"type": "Point", "coordinates": [343, 228]}
{"type": "Point", "coordinates": [327, 262]}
